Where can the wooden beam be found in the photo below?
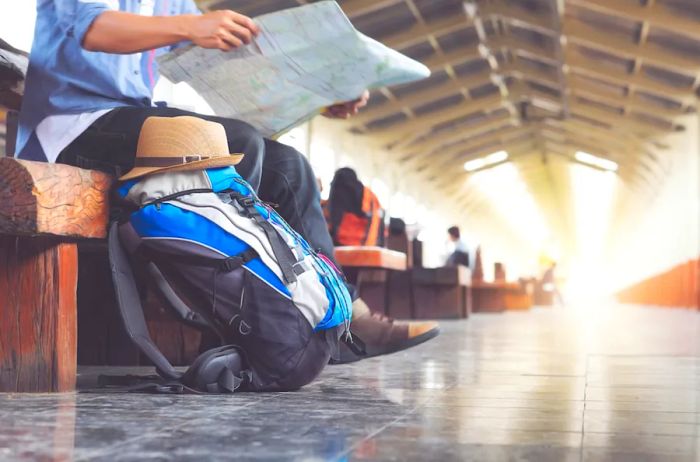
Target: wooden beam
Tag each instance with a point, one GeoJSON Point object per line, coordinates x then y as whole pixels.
{"type": "Point", "coordinates": [460, 133]}
{"type": "Point", "coordinates": [439, 61]}
{"type": "Point", "coordinates": [404, 132]}
{"type": "Point", "coordinates": [513, 13]}
{"type": "Point", "coordinates": [455, 158]}
{"type": "Point", "coordinates": [518, 69]}
{"type": "Point", "coordinates": [579, 31]}
{"type": "Point", "coordinates": [588, 89]}
{"type": "Point", "coordinates": [657, 15]}
{"type": "Point", "coordinates": [579, 63]}
{"type": "Point", "coordinates": [418, 32]}
{"type": "Point", "coordinates": [627, 172]}
{"type": "Point", "coordinates": [447, 152]}
{"type": "Point", "coordinates": [421, 97]}
{"type": "Point", "coordinates": [446, 176]}
{"type": "Point", "coordinates": [637, 126]}
{"type": "Point", "coordinates": [571, 127]}
{"type": "Point", "coordinates": [355, 8]}
{"type": "Point", "coordinates": [642, 143]}
{"type": "Point", "coordinates": [619, 44]}
{"type": "Point", "coordinates": [627, 160]}
{"type": "Point", "coordinates": [583, 145]}
{"type": "Point", "coordinates": [606, 73]}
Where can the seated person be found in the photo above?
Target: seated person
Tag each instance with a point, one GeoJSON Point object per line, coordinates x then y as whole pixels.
{"type": "Point", "coordinates": [356, 216]}
{"type": "Point", "coordinates": [89, 88]}
{"type": "Point", "coordinates": [460, 252]}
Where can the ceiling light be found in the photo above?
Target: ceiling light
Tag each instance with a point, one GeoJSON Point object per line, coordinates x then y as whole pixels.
{"type": "Point", "coordinates": [486, 161]}
{"type": "Point", "coordinates": [595, 161]}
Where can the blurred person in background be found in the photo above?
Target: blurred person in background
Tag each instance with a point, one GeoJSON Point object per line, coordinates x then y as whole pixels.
{"type": "Point", "coordinates": [459, 251]}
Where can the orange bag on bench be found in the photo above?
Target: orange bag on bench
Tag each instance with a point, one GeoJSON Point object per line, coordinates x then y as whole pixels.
{"type": "Point", "coordinates": [356, 215]}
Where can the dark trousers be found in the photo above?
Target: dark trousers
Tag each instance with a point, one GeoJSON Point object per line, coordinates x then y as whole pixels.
{"type": "Point", "coordinates": [279, 173]}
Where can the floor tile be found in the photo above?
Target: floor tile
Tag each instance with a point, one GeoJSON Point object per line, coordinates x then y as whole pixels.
{"type": "Point", "coordinates": [545, 385]}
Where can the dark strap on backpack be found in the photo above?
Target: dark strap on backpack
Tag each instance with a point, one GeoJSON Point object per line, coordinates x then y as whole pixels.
{"type": "Point", "coordinates": [129, 303]}
{"type": "Point", "coordinates": [284, 255]}
{"type": "Point", "coordinates": [219, 370]}
{"type": "Point", "coordinates": [222, 265]}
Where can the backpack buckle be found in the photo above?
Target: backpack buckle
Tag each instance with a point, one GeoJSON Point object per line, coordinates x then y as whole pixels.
{"type": "Point", "coordinates": [229, 264]}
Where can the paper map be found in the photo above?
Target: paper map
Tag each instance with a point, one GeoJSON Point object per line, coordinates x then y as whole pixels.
{"type": "Point", "coordinates": [304, 59]}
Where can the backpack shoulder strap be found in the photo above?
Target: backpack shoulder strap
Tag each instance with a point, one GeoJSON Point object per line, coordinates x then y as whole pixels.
{"type": "Point", "coordinates": [129, 304]}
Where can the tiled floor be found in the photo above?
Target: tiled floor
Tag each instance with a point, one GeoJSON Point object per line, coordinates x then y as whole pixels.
{"type": "Point", "coordinates": [616, 383]}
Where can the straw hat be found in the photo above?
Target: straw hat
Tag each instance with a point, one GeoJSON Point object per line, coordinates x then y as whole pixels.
{"type": "Point", "coordinates": [175, 144]}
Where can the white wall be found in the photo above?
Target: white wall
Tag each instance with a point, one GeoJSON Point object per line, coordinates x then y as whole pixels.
{"type": "Point", "coordinates": [657, 231]}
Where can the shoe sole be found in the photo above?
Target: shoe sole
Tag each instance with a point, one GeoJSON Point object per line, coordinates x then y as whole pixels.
{"type": "Point", "coordinates": [347, 356]}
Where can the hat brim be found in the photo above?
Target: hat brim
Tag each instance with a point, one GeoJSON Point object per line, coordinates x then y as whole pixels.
{"type": "Point", "coordinates": [215, 162]}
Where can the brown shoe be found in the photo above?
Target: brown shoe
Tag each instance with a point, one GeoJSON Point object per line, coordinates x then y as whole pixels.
{"type": "Point", "coordinates": [381, 335]}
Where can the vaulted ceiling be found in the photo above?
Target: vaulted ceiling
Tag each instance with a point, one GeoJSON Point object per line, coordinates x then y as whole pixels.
{"type": "Point", "coordinates": [541, 79]}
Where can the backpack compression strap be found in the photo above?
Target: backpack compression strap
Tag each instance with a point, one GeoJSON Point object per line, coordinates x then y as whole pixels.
{"type": "Point", "coordinates": [223, 265]}
{"type": "Point", "coordinates": [130, 308]}
{"type": "Point", "coordinates": [284, 255]}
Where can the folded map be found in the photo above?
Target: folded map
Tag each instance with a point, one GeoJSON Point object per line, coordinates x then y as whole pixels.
{"type": "Point", "coordinates": [304, 59]}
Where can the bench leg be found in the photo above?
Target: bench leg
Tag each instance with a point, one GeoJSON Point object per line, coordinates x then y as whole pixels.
{"type": "Point", "coordinates": [372, 286]}
{"type": "Point", "coordinates": [38, 326]}
{"type": "Point", "coordinates": [488, 300]}
{"type": "Point", "coordinates": [438, 301]}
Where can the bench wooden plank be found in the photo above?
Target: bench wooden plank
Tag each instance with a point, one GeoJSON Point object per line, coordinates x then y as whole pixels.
{"type": "Point", "coordinates": [370, 257]}
{"type": "Point", "coordinates": [44, 208]}
{"type": "Point", "coordinates": [37, 198]}
{"type": "Point", "coordinates": [38, 326]}
{"type": "Point", "coordinates": [368, 268]}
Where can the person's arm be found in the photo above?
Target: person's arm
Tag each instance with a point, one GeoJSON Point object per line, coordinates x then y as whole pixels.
{"type": "Point", "coordinates": [124, 33]}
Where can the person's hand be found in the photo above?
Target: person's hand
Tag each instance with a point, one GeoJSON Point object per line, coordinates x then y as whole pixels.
{"type": "Point", "coordinates": [223, 29]}
{"type": "Point", "coordinates": [348, 109]}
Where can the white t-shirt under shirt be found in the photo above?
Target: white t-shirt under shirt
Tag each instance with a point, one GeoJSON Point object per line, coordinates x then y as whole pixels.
{"type": "Point", "coordinates": [56, 132]}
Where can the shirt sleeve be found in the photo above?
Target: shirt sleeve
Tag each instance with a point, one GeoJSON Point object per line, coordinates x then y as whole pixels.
{"type": "Point", "coordinates": [76, 16]}
{"type": "Point", "coordinates": [189, 7]}
{"type": "Point", "coordinates": [186, 7]}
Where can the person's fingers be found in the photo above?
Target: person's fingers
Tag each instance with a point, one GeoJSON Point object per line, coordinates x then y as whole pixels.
{"type": "Point", "coordinates": [243, 34]}
{"type": "Point", "coordinates": [245, 22]}
{"type": "Point", "coordinates": [363, 100]}
{"type": "Point", "coordinates": [229, 41]}
{"type": "Point", "coordinates": [336, 112]}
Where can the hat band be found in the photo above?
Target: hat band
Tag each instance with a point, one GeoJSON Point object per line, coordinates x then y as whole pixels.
{"type": "Point", "coordinates": [166, 161]}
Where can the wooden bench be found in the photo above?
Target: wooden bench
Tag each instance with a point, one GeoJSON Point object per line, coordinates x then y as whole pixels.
{"type": "Point", "coordinates": [499, 295]}
{"type": "Point", "coordinates": [369, 269]}
{"type": "Point", "coordinates": [441, 293]}
{"type": "Point", "coordinates": [496, 297]}
{"type": "Point", "coordinates": [45, 209]}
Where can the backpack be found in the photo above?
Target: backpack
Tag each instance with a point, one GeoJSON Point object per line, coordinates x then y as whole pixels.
{"type": "Point", "coordinates": [227, 263]}
{"type": "Point", "coordinates": [365, 230]}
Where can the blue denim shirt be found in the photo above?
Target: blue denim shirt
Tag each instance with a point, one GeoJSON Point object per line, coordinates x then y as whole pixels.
{"type": "Point", "coordinates": [64, 78]}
